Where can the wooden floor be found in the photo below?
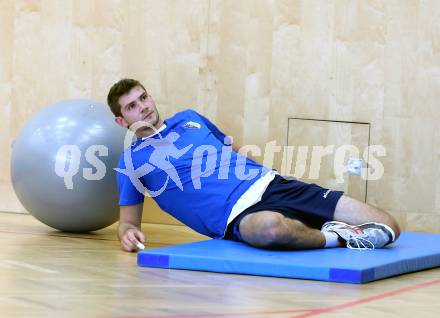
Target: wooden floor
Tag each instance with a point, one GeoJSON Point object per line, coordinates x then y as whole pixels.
{"type": "Point", "coordinates": [45, 273]}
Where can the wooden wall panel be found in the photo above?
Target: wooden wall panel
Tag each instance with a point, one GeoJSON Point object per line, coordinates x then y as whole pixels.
{"type": "Point", "coordinates": [7, 14]}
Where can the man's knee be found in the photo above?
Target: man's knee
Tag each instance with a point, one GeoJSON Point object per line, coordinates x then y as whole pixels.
{"type": "Point", "coordinates": [265, 229]}
{"type": "Point", "coordinates": [391, 222]}
{"type": "Point", "coordinates": [386, 218]}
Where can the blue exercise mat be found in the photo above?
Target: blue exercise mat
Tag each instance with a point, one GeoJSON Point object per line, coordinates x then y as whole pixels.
{"type": "Point", "coordinates": [411, 252]}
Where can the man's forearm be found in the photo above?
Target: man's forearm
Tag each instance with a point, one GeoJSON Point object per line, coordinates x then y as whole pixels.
{"type": "Point", "coordinates": [130, 217]}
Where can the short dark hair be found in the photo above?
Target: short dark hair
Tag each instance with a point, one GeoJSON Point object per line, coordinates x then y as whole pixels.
{"type": "Point", "coordinates": [118, 89]}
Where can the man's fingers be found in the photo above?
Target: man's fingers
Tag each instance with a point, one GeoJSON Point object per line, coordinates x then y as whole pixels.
{"type": "Point", "coordinates": [136, 236]}
{"type": "Point", "coordinates": [132, 240]}
{"type": "Point", "coordinates": [140, 236]}
{"type": "Point", "coordinates": [127, 244]}
{"type": "Point", "coordinates": [139, 240]}
{"type": "Point", "coordinates": [133, 237]}
{"type": "Point", "coordinates": [125, 248]}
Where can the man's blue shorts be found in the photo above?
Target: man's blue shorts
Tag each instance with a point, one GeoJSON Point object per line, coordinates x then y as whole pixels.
{"type": "Point", "coordinates": [308, 203]}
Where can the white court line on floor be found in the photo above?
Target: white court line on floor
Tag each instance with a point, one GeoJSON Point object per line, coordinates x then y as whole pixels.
{"type": "Point", "coordinates": [29, 266]}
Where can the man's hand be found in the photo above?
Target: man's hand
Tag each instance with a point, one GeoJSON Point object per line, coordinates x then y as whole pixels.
{"type": "Point", "coordinates": [129, 229]}
{"type": "Point", "coordinates": [130, 239]}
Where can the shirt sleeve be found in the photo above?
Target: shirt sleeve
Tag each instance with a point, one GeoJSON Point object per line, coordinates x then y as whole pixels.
{"type": "Point", "coordinates": [226, 140]}
{"type": "Point", "coordinates": [128, 194]}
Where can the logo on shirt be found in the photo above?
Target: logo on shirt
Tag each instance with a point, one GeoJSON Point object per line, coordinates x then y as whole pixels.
{"type": "Point", "coordinates": [326, 194]}
{"type": "Point", "coordinates": [191, 125]}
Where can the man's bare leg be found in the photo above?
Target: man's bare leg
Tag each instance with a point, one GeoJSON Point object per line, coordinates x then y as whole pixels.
{"type": "Point", "coordinates": [268, 229]}
{"type": "Point", "coordinates": [352, 211]}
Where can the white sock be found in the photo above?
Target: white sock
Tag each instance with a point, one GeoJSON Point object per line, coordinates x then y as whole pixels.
{"type": "Point", "coordinates": [331, 239]}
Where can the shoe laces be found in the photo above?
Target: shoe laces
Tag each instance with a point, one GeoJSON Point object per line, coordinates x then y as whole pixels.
{"type": "Point", "coordinates": [355, 242]}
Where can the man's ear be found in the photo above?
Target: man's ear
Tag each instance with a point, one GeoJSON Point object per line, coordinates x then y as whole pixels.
{"type": "Point", "coordinates": [121, 121]}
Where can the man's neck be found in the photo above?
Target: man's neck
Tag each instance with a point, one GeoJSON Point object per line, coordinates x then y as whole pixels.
{"type": "Point", "coordinates": [150, 131]}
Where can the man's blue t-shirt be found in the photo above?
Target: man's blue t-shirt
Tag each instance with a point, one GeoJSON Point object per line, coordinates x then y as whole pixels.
{"type": "Point", "coordinates": [190, 170]}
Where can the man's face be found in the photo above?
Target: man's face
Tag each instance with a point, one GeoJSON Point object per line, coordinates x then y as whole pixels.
{"type": "Point", "coordinates": [136, 106]}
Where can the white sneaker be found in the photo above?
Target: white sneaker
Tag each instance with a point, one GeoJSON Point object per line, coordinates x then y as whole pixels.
{"type": "Point", "coordinates": [360, 237]}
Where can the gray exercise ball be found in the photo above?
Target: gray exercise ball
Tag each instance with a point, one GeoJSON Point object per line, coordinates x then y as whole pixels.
{"type": "Point", "coordinates": [62, 166]}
